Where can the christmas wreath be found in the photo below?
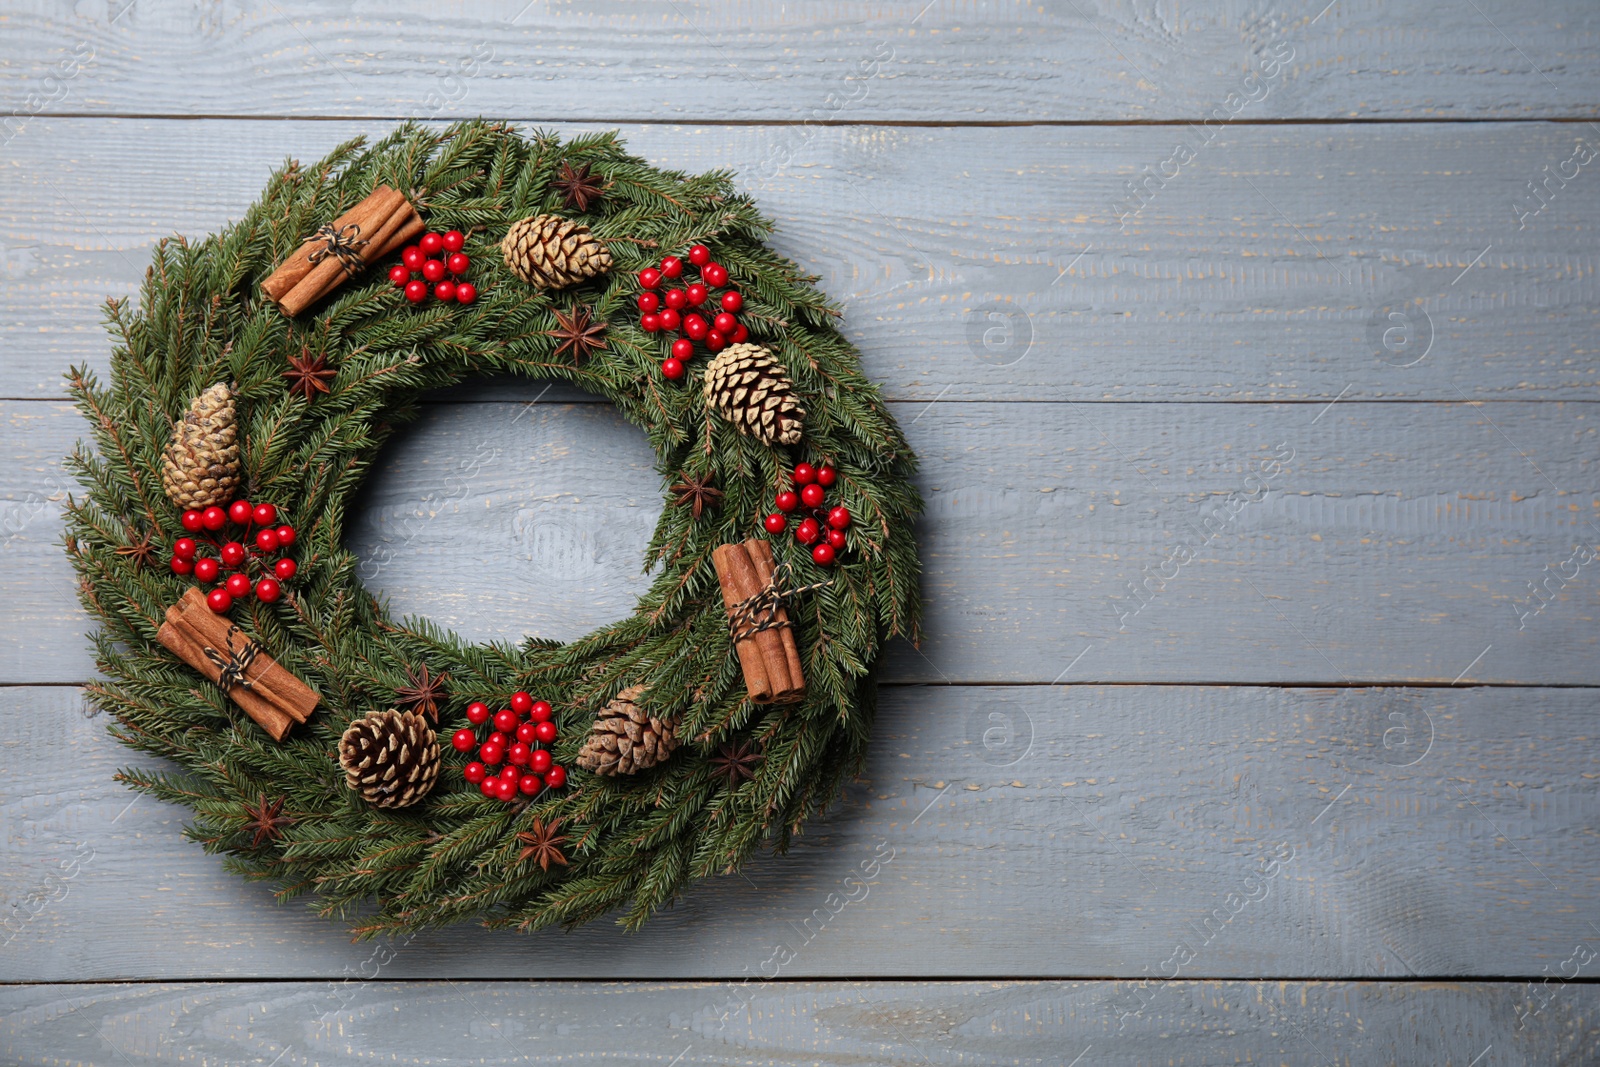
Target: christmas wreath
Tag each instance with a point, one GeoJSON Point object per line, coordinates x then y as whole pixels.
{"type": "Point", "coordinates": [404, 778]}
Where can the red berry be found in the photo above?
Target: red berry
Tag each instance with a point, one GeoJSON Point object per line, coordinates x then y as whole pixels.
{"type": "Point", "coordinates": [826, 475]}
{"type": "Point", "coordinates": [505, 789]}
{"type": "Point", "coordinates": [206, 569]}
{"type": "Point", "coordinates": [213, 518]}
{"type": "Point", "coordinates": [238, 586]}
{"type": "Point", "coordinates": [715, 274]}
{"type": "Point", "coordinates": [544, 731]}
{"type": "Point", "coordinates": [433, 270]}
{"type": "Point", "coordinates": [431, 244]}
{"type": "Point", "coordinates": [466, 293]}
{"type": "Point", "coordinates": [453, 240]}
{"type": "Point", "coordinates": [839, 517]}
{"type": "Point", "coordinates": [413, 258]}
{"type": "Point", "coordinates": [489, 785]}
{"type": "Point", "coordinates": [541, 711]}
{"type": "Point", "coordinates": [184, 548]}
{"type": "Point", "coordinates": [477, 713]}
{"type": "Point", "coordinates": [267, 540]}
{"type": "Point", "coordinates": [672, 369]}
{"type": "Point", "coordinates": [811, 495]}
{"type": "Point", "coordinates": [445, 290]}
{"type": "Point", "coordinates": [521, 703]}
{"type": "Point", "coordinates": [557, 777]}
{"type": "Point", "coordinates": [399, 275]}
{"type": "Point", "coordinates": [219, 601]}
{"type": "Point", "coordinates": [285, 535]}
{"type": "Point", "coordinates": [670, 319]}
{"type": "Point", "coordinates": [458, 263]}
{"type": "Point", "coordinates": [649, 302]}
{"type": "Point", "coordinates": [268, 590]}
{"type": "Point", "coordinates": [822, 554]}
{"type": "Point", "coordinates": [682, 348]}
{"type": "Point", "coordinates": [650, 323]}
{"type": "Point", "coordinates": [529, 784]}
{"type": "Point", "coordinates": [539, 760]}
{"type": "Point", "coordinates": [475, 772]}
{"type": "Point", "coordinates": [464, 740]}
{"type": "Point", "coordinates": [804, 474]}
{"type": "Point", "coordinates": [715, 342]}
{"type": "Point", "coordinates": [239, 512]}
{"type": "Point", "coordinates": [192, 521]}
{"type": "Point", "coordinates": [732, 302]}
{"type": "Point", "coordinates": [724, 324]}
{"type": "Point", "coordinates": [232, 554]}
{"type": "Point", "coordinates": [416, 291]}
{"type": "Point", "coordinates": [264, 514]}
{"type": "Point", "coordinates": [525, 733]}
{"type": "Point", "coordinates": [181, 566]}
{"type": "Point", "coordinates": [675, 299]}
{"type": "Point", "coordinates": [807, 532]}
{"type": "Point", "coordinates": [518, 754]}
{"type": "Point", "coordinates": [509, 773]}
{"type": "Point", "coordinates": [284, 569]}
{"type": "Point", "coordinates": [695, 327]}
{"type": "Point", "coordinates": [774, 523]}
{"type": "Point", "coordinates": [491, 754]}
{"type": "Point", "coordinates": [505, 720]}
{"type": "Point", "coordinates": [699, 255]}
{"type": "Point", "coordinates": [787, 500]}
{"type": "Point", "coordinates": [671, 267]}
{"type": "Point", "coordinates": [497, 739]}
{"type": "Point", "coordinates": [836, 538]}
{"type": "Point", "coordinates": [649, 277]}
{"type": "Point", "coordinates": [741, 335]}
{"type": "Point", "coordinates": [697, 294]}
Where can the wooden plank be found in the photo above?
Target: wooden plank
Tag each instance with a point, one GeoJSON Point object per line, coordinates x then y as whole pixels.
{"type": "Point", "coordinates": [992, 264]}
{"type": "Point", "coordinates": [1049, 831]}
{"type": "Point", "coordinates": [1296, 1024]}
{"type": "Point", "coordinates": [906, 61]}
{"type": "Point", "coordinates": [1160, 542]}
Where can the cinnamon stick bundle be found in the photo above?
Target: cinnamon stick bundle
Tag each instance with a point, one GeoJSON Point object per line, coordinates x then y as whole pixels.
{"type": "Point", "coordinates": [374, 228]}
{"type": "Point", "coordinates": [275, 698]}
{"type": "Point", "coordinates": [767, 654]}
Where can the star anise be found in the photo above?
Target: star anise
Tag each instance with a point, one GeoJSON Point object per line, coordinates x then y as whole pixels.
{"type": "Point", "coordinates": [580, 335]}
{"type": "Point", "coordinates": [424, 694]}
{"type": "Point", "coordinates": [578, 187]}
{"type": "Point", "coordinates": [697, 493]}
{"type": "Point", "coordinates": [309, 375]}
{"type": "Point", "coordinates": [265, 820]}
{"type": "Point", "coordinates": [541, 843]}
{"type": "Point", "coordinates": [736, 762]}
{"type": "Point", "coordinates": [142, 552]}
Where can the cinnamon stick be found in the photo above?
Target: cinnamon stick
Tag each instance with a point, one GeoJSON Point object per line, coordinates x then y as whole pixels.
{"type": "Point", "coordinates": [384, 220]}
{"type": "Point", "coordinates": [277, 723]}
{"type": "Point", "coordinates": [268, 677]}
{"type": "Point", "coordinates": [761, 555]}
{"type": "Point", "coordinates": [298, 265]}
{"type": "Point", "coordinates": [734, 591]}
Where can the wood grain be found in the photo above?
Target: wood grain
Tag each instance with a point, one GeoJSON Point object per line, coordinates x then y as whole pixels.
{"type": "Point", "coordinates": [1267, 543]}
{"type": "Point", "coordinates": [826, 1024]}
{"type": "Point", "coordinates": [1050, 831]}
{"type": "Point", "coordinates": [907, 61]}
{"type": "Point", "coordinates": [987, 264]}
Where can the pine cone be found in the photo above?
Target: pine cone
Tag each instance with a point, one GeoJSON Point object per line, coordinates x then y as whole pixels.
{"type": "Point", "coordinates": [750, 389]}
{"type": "Point", "coordinates": [626, 738]}
{"type": "Point", "coordinates": [390, 757]}
{"type": "Point", "coordinates": [200, 467]}
{"type": "Point", "coordinates": [549, 252]}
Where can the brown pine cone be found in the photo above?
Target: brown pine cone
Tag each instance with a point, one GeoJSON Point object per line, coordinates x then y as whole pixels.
{"type": "Point", "coordinates": [391, 758]}
{"type": "Point", "coordinates": [200, 466]}
{"type": "Point", "coordinates": [750, 388]}
{"type": "Point", "coordinates": [626, 738]}
{"type": "Point", "coordinates": [550, 252]}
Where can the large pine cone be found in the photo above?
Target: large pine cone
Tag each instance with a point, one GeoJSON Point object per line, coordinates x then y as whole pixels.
{"type": "Point", "coordinates": [549, 252]}
{"type": "Point", "coordinates": [750, 388]}
{"type": "Point", "coordinates": [390, 757]}
{"type": "Point", "coordinates": [200, 467]}
{"type": "Point", "coordinates": [626, 738]}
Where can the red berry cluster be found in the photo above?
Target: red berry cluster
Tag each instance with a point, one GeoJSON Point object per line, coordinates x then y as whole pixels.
{"type": "Point", "coordinates": [515, 743]}
{"type": "Point", "coordinates": [684, 309]}
{"type": "Point", "coordinates": [421, 257]}
{"type": "Point", "coordinates": [822, 527]}
{"type": "Point", "coordinates": [242, 557]}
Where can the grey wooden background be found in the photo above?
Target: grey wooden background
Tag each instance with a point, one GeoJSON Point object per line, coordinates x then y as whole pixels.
{"type": "Point", "coordinates": [1373, 673]}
